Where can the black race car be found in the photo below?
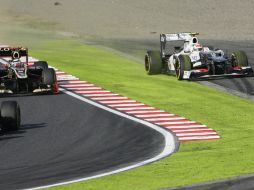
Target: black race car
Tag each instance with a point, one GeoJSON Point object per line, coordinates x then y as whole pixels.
{"type": "Point", "coordinates": [17, 75]}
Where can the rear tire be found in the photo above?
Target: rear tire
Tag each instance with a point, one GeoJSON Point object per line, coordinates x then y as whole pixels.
{"type": "Point", "coordinates": [42, 64]}
{"type": "Point", "coordinates": [153, 62]}
{"type": "Point", "coordinates": [49, 76]}
{"type": "Point", "coordinates": [239, 58]}
{"type": "Point", "coordinates": [183, 63]}
{"type": "Point", "coordinates": [10, 116]}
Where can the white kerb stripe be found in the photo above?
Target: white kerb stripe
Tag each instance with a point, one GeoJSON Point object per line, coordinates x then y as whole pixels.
{"type": "Point", "coordinates": [67, 78]}
{"type": "Point", "coordinates": [92, 91]}
{"type": "Point", "coordinates": [111, 98]}
{"type": "Point", "coordinates": [120, 105]}
{"type": "Point", "coordinates": [165, 119]}
{"type": "Point", "coordinates": [86, 88]}
{"type": "Point", "coordinates": [149, 111]}
{"type": "Point", "coordinates": [154, 115]}
{"type": "Point", "coordinates": [186, 126]}
{"type": "Point", "coordinates": [77, 82]}
{"type": "Point", "coordinates": [194, 134]}
{"type": "Point", "coordinates": [93, 95]}
{"type": "Point", "coordinates": [81, 88]}
{"type": "Point", "coordinates": [136, 108]}
{"type": "Point", "coordinates": [180, 122]}
{"type": "Point", "coordinates": [60, 72]}
{"type": "Point", "coordinates": [83, 85]}
{"type": "Point", "coordinates": [74, 85]}
{"type": "Point", "coordinates": [199, 138]}
{"type": "Point", "coordinates": [190, 130]}
{"type": "Point", "coordinates": [117, 101]}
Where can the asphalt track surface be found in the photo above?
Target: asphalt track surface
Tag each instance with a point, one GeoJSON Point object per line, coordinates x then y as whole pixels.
{"type": "Point", "coordinates": [63, 138]}
{"type": "Point", "coordinates": [236, 183]}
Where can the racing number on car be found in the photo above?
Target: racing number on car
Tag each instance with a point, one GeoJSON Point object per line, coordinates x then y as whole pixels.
{"type": "Point", "coordinates": [195, 57]}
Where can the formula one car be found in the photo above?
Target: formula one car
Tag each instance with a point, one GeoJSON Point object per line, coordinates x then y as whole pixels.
{"type": "Point", "coordinates": [18, 76]}
{"type": "Point", "coordinates": [10, 116]}
{"type": "Point", "coordinates": [192, 60]}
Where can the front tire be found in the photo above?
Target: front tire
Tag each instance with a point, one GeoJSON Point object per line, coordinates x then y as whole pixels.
{"type": "Point", "coordinates": [153, 62]}
{"type": "Point", "coordinates": [10, 116]}
{"type": "Point", "coordinates": [48, 76]}
{"type": "Point", "coordinates": [239, 58]}
{"type": "Point", "coordinates": [41, 64]}
{"type": "Point", "coordinates": [183, 63]}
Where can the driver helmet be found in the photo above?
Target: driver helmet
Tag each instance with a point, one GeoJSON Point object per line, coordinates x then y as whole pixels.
{"type": "Point", "coordinates": [16, 63]}
{"type": "Point", "coordinates": [197, 47]}
{"type": "Point", "coordinates": [219, 53]}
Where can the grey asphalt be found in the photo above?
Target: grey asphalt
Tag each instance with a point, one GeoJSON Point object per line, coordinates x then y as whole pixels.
{"type": "Point", "coordinates": [63, 138]}
{"type": "Point", "coordinates": [236, 183]}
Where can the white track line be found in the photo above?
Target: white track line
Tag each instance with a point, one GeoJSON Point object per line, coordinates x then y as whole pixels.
{"type": "Point", "coordinates": [171, 144]}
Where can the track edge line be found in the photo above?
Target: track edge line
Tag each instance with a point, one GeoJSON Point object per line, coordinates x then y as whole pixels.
{"type": "Point", "coordinates": [171, 143]}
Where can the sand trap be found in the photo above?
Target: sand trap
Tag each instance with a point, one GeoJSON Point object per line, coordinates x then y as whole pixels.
{"type": "Point", "coordinates": [214, 19]}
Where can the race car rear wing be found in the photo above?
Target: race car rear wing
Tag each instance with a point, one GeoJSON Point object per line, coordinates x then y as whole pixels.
{"type": "Point", "coordinates": [184, 36]}
{"type": "Point", "coordinates": [13, 52]}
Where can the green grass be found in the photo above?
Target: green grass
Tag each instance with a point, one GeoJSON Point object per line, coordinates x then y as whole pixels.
{"type": "Point", "coordinates": [231, 116]}
{"type": "Point", "coordinates": [195, 162]}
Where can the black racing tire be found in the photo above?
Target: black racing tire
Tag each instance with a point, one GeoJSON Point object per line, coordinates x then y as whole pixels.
{"type": "Point", "coordinates": [42, 64]}
{"type": "Point", "coordinates": [10, 116]}
{"type": "Point", "coordinates": [153, 62]}
{"type": "Point", "coordinates": [49, 76]}
{"type": "Point", "coordinates": [239, 58]}
{"type": "Point", "coordinates": [183, 63]}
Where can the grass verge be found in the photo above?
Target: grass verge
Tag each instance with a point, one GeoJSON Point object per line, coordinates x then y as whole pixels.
{"type": "Point", "coordinates": [195, 162]}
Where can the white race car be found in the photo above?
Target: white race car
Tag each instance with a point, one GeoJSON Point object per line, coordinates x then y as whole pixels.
{"type": "Point", "coordinates": [192, 60]}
